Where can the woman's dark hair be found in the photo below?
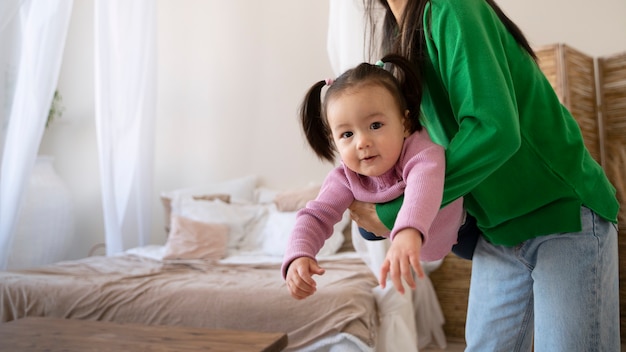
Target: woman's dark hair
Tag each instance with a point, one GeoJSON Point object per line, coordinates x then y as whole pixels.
{"type": "Point", "coordinates": [408, 37]}
{"type": "Point", "coordinates": [405, 90]}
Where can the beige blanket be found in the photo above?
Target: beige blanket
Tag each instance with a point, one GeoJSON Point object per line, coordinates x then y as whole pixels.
{"type": "Point", "coordinates": [133, 289]}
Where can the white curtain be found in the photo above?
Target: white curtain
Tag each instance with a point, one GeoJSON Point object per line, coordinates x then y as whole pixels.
{"type": "Point", "coordinates": [348, 42]}
{"type": "Point", "coordinates": [32, 38]}
{"type": "Point", "coordinates": [125, 66]}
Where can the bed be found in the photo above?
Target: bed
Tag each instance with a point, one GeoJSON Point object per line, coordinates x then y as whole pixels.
{"type": "Point", "coordinates": [220, 268]}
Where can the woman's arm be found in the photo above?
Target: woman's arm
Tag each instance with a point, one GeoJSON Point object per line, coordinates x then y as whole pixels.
{"type": "Point", "coordinates": [366, 217]}
{"type": "Point", "coordinates": [469, 73]}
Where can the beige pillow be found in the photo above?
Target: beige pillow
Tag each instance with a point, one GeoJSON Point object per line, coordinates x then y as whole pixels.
{"type": "Point", "coordinates": [295, 200]}
{"type": "Point", "coordinates": [211, 197]}
{"type": "Point", "coordinates": [189, 239]}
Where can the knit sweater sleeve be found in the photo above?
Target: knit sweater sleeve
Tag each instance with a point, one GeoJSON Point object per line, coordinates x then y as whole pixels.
{"type": "Point", "coordinates": [314, 223]}
{"type": "Point", "coordinates": [423, 172]}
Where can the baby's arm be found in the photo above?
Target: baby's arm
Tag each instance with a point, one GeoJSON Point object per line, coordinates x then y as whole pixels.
{"type": "Point", "coordinates": [299, 277]}
{"type": "Point", "coordinates": [423, 171]}
{"type": "Point", "coordinates": [314, 224]}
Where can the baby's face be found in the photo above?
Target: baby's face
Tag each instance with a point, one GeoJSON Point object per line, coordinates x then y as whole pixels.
{"type": "Point", "coordinates": [368, 129]}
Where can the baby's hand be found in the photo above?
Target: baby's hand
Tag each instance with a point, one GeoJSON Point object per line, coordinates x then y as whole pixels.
{"type": "Point", "coordinates": [299, 277]}
{"type": "Point", "coordinates": [403, 254]}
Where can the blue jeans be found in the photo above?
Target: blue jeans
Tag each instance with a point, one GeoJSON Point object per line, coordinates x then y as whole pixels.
{"type": "Point", "coordinates": [561, 289]}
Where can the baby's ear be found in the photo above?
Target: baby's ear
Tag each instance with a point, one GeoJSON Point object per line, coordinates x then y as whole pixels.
{"type": "Point", "coordinates": [407, 123]}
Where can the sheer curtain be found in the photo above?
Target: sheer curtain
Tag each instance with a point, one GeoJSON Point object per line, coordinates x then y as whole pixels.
{"type": "Point", "coordinates": [346, 39]}
{"type": "Point", "coordinates": [125, 66]}
{"type": "Point", "coordinates": [32, 38]}
{"type": "Point", "coordinates": [348, 42]}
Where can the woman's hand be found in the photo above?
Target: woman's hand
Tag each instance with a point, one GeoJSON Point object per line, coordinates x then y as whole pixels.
{"type": "Point", "coordinates": [402, 256]}
{"type": "Point", "coordinates": [364, 214]}
{"type": "Point", "coordinates": [299, 277]}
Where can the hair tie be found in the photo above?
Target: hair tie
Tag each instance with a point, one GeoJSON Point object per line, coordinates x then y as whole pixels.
{"type": "Point", "coordinates": [380, 63]}
{"type": "Point", "coordinates": [329, 81]}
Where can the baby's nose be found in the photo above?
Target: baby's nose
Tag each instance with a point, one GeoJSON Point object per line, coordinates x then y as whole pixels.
{"type": "Point", "coordinates": [364, 142]}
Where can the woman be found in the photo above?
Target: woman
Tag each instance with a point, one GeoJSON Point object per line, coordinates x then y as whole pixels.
{"type": "Point", "coordinates": [547, 259]}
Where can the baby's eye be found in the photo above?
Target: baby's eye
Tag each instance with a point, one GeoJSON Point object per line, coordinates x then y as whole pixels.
{"type": "Point", "coordinates": [376, 125]}
{"type": "Point", "coordinates": [346, 135]}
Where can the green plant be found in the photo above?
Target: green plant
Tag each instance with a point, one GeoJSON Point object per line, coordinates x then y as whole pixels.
{"type": "Point", "coordinates": [56, 109]}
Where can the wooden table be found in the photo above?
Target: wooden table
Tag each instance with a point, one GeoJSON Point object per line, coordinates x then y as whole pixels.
{"type": "Point", "coordinates": [52, 334]}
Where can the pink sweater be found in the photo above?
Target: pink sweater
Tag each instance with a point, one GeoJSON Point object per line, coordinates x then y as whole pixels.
{"type": "Point", "coordinates": [418, 174]}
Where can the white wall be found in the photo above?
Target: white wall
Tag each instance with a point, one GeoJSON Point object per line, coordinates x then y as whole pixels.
{"type": "Point", "coordinates": [597, 28]}
{"type": "Point", "coordinates": [231, 77]}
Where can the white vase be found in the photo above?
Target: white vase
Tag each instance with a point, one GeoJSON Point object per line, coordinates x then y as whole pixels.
{"type": "Point", "coordinates": [45, 228]}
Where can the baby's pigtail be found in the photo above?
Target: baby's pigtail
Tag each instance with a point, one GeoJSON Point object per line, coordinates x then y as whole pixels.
{"type": "Point", "coordinates": [411, 86]}
{"type": "Point", "coordinates": [314, 126]}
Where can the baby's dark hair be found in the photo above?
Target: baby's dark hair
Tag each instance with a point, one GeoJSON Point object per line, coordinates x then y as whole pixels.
{"type": "Point", "coordinates": [404, 88]}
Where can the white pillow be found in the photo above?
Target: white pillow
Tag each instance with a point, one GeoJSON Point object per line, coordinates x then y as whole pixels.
{"type": "Point", "coordinates": [253, 240]}
{"type": "Point", "coordinates": [241, 190]}
{"type": "Point", "coordinates": [279, 225]}
{"type": "Point", "coordinates": [236, 216]}
{"type": "Point", "coordinates": [265, 194]}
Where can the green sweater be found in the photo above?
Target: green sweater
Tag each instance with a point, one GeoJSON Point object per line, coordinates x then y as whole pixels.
{"type": "Point", "coordinates": [514, 152]}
